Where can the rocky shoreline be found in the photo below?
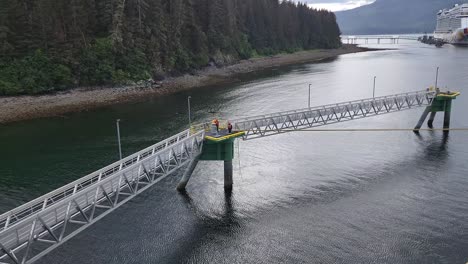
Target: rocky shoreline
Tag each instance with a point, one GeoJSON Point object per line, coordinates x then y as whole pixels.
{"type": "Point", "coordinates": [17, 108]}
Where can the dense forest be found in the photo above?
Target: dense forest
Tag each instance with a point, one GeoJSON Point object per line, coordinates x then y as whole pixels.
{"type": "Point", "coordinates": [50, 45]}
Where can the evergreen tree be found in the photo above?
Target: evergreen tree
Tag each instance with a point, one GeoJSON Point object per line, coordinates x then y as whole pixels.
{"type": "Point", "coordinates": [106, 42]}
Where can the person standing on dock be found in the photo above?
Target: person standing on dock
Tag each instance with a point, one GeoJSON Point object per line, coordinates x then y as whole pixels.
{"type": "Point", "coordinates": [216, 123]}
{"type": "Point", "coordinates": [229, 127]}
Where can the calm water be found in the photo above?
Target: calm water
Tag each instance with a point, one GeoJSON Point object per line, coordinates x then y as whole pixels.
{"type": "Point", "coordinates": [309, 197]}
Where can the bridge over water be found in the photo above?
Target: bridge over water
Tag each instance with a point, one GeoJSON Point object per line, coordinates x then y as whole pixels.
{"type": "Point", "coordinates": [32, 230]}
{"type": "Point", "coordinates": [392, 39]}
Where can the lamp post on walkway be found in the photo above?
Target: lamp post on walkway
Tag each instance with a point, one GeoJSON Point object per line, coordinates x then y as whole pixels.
{"type": "Point", "coordinates": [189, 112]}
{"type": "Point", "coordinates": [373, 93]}
{"type": "Point", "coordinates": [118, 138]}
{"type": "Point", "coordinates": [437, 78]}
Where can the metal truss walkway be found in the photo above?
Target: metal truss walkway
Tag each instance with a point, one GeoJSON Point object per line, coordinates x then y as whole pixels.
{"type": "Point", "coordinates": [271, 124]}
{"type": "Point", "coordinates": [35, 228]}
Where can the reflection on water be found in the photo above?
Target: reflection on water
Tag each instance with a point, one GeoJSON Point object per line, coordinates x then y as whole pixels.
{"type": "Point", "coordinates": [334, 197]}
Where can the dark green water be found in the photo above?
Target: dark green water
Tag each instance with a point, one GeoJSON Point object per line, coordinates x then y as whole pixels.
{"type": "Point", "coordinates": [348, 197]}
{"type": "Point", "coordinates": [41, 155]}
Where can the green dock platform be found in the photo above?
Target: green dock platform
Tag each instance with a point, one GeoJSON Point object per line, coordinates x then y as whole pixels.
{"type": "Point", "coordinates": [220, 146]}
{"type": "Point", "coordinates": [442, 102]}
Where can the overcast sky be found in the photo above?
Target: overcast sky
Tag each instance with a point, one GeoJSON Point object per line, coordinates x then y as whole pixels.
{"type": "Point", "coordinates": [336, 5]}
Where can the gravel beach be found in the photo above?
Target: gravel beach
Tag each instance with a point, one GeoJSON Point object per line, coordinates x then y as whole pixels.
{"type": "Point", "coordinates": [17, 108]}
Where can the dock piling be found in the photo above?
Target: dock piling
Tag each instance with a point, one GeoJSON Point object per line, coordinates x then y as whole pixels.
{"type": "Point", "coordinates": [187, 174]}
{"type": "Point", "coordinates": [447, 112]}
{"type": "Point", "coordinates": [430, 122]}
{"type": "Point", "coordinates": [422, 119]}
{"type": "Point", "coordinates": [228, 175]}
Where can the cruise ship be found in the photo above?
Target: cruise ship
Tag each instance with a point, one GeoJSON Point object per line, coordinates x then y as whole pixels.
{"type": "Point", "coordinates": [452, 25]}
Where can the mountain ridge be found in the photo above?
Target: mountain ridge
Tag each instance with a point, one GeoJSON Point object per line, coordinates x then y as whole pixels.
{"type": "Point", "coordinates": [393, 16]}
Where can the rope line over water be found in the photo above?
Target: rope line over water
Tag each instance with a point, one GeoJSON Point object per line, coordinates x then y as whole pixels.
{"type": "Point", "coordinates": [239, 161]}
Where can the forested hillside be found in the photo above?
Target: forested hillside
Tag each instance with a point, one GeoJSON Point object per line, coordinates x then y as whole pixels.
{"type": "Point", "coordinates": [55, 44]}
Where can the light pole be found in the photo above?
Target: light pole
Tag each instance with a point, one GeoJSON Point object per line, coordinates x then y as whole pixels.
{"type": "Point", "coordinates": [189, 113]}
{"type": "Point", "coordinates": [118, 138]}
{"type": "Point", "coordinates": [437, 78]}
{"type": "Point", "coordinates": [373, 93]}
{"type": "Point", "coordinates": [309, 93]}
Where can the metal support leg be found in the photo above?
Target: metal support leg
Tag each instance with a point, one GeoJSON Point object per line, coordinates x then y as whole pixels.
{"type": "Point", "coordinates": [448, 110]}
{"type": "Point", "coordinates": [187, 174]}
{"type": "Point", "coordinates": [430, 122]}
{"type": "Point", "coordinates": [228, 175]}
{"type": "Point", "coordinates": [421, 120]}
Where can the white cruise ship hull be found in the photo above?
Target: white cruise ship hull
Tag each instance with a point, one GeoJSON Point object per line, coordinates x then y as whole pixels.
{"type": "Point", "coordinates": [459, 37]}
{"type": "Point", "coordinates": [452, 25]}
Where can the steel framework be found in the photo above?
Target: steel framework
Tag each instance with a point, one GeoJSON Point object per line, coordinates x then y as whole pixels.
{"type": "Point", "coordinates": [271, 124]}
{"type": "Point", "coordinates": [58, 216]}
{"type": "Point", "coordinates": [35, 228]}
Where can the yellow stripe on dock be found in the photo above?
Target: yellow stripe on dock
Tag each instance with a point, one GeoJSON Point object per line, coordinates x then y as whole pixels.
{"type": "Point", "coordinates": [449, 95]}
{"type": "Point", "coordinates": [233, 135]}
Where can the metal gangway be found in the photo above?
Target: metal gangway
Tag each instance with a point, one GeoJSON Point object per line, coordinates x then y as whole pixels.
{"type": "Point", "coordinates": [54, 218]}
{"type": "Point", "coordinates": [283, 122]}
{"type": "Point", "coordinates": [34, 229]}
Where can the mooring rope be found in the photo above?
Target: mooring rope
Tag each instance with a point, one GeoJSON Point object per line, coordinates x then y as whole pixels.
{"type": "Point", "coordinates": [240, 167]}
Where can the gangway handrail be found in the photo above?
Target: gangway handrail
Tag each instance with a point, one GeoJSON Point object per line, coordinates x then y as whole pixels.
{"type": "Point", "coordinates": [105, 194]}
{"type": "Point", "coordinates": [277, 123]}
{"type": "Point", "coordinates": [45, 201]}
{"type": "Point", "coordinates": [429, 93]}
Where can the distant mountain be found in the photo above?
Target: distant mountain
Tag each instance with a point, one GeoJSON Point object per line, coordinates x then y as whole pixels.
{"type": "Point", "coordinates": [393, 16]}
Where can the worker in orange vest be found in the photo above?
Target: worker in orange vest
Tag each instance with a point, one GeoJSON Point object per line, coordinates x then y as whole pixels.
{"type": "Point", "coordinates": [229, 127]}
{"type": "Point", "coordinates": [216, 122]}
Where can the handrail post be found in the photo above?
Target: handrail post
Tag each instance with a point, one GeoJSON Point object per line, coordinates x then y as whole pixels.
{"type": "Point", "coordinates": [189, 113]}
{"type": "Point", "coordinates": [118, 138]}
{"type": "Point", "coordinates": [7, 221]}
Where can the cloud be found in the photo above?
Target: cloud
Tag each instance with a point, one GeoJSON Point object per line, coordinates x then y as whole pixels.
{"type": "Point", "coordinates": [336, 5]}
